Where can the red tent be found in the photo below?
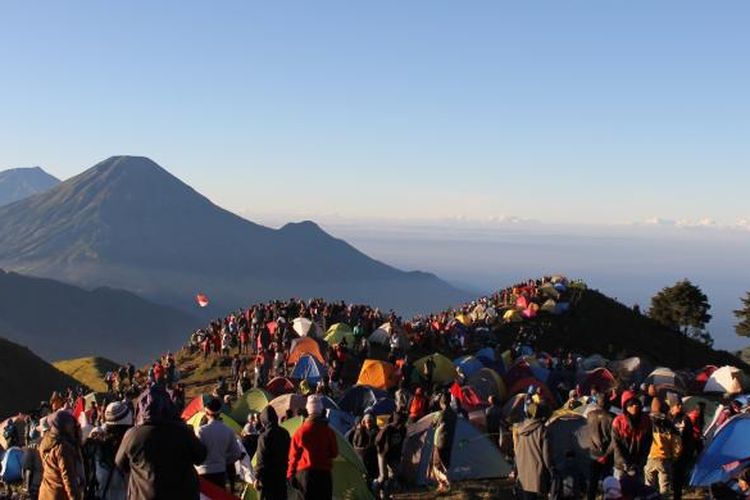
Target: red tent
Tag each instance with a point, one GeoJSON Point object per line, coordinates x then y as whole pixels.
{"type": "Point", "coordinates": [523, 385]}
{"type": "Point", "coordinates": [601, 378]}
{"type": "Point", "coordinates": [280, 385]}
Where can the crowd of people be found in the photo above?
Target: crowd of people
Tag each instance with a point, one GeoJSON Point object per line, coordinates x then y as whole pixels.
{"type": "Point", "coordinates": [133, 442]}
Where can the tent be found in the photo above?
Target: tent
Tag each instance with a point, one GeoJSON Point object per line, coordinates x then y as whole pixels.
{"type": "Point", "coordinates": [286, 402]}
{"type": "Point", "coordinates": [338, 333]}
{"type": "Point", "coordinates": [525, 367]}
{"type": "Point", "coordinates": [382, 335]}
{"type": "Point", "coordinates": [730, 445]}
{"type": "Point", "coordinates": [348, 469]}
{"type": "Point", "coordinates": [468, 365]}
{"type": "Point", "coordinates": [341, 421]}
{"type": "Point", "coordinates": [690, 403]}
{"type": "Point", "coordinates": [513, 409]}
{"type": "Point", "coordinates": [305, 327]}
{"type": "Point", "coordinates": [199, 419]}
{"type": "Point", "coordinates": [473, 455]}
{"type": "Point", "coordinates": [665, 378]}
{"type": "Point", "coordinates": [11, 465]}
{"type": "Point", "coordinates": [702, 376]}
{"type": "Point", "coordinates": [310, 369]}
{"type": "Point", "coordinates": [383, 406]}
{"type": "Point", "coordinates": [594, 361]}
{"type": "Point", "coordinates": [569, 443]}
{"type": "Point", "coordinates": [629, 371]}
{"type": "Point", "coordinates": [523, 385]}
{"type": "Point", "coordinates": [445, 371]}
{"type": "Point", "coordinates": [302, 346]}
{"type": "Point", "coordinates": [359, 397]}
{"type": "Point", "coordinates": [486, 382]}
{"type": "Point", "coordinates": [280, 385]}
{"type": "Point", "coordinates": [464, 319]}
{"type": "Point", "coordinates": [727, 380]}
{"type": "Point", "coordinates": [378, 374]}
{"type": "Point", "coordinates": [512, 316]}
{"type": "Point", "coordinates": [468, 397]}
{"type": "Point", "coordinates": [601, 378]}
{"type": "Point", "coordinates": [198, 404]}
{"type": "Point", "coordinates": [548, 289]}
{"type": "Point", "coordinates": [252, 401]}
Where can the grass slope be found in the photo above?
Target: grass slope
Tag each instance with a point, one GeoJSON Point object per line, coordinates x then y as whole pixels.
{"type": "Point", "coordinates": [26, 379]}
{"type": "Point", "coordinates": [88, 371]}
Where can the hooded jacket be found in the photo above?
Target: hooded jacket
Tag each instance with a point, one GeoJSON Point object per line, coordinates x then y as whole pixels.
{"type": "Point", "coordinates": [599, 428]}
{"type": "Point", "coordinates": [63, 474]}
{"type": "Point", "coordinates": [272, 454]}
{"type": "Point", "coordinates": [533, 458]}
{"type": "Point", "coordinates": [160, 452]}
{"type": "Point", "coordinates": [631, 439]}
{"type": "Point", "coordinates": [313, 447]}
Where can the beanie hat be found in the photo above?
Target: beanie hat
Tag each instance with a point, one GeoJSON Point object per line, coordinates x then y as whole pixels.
{"type": "Point", "coordinates": [314, 405]}
{"type": "Point", "coordinates": [118, 413]}
{"type": "Point", "coordinates": [626, 397]}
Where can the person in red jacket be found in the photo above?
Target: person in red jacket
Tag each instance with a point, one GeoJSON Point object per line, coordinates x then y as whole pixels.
{"type": "Point", "coordinates": [631, 438]}
{"type": "Point", "coordinates": [311, 454]}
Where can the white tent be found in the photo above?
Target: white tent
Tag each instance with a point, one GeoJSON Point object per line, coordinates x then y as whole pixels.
{"type": "Point", "coordinates": [305, 327]}
{"type": "Point", "coordinates": [726, 380]}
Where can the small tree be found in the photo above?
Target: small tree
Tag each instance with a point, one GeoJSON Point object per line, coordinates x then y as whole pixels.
{"type": "Point", "coordinates": [683, 307]}
{"type": "Point", "coordinates": [742, 328]}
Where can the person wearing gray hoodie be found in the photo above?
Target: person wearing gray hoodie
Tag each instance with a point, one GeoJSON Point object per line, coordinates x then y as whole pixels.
{"type": "Point", "coordinates": [533, 458]}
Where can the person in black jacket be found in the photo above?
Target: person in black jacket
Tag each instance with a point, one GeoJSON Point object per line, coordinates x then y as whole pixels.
{"type": "Point", "coordinates": [272, 456]}
{"type": "Point", "coordinates": [160, 452]}
{"type": "Point", "coordinates": [599, 429]}
{"type": "Point", "coordinates": [389, 443]}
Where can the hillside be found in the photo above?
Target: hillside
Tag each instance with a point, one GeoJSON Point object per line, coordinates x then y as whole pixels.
{"type": "Point", "coordinates": [128, 223]}
{"type": "Point", "coordinates": [60, 321]}
{"type": "Point", "coordinates": [600, 324]}
{"type": "Point", "coordinates": [26, 379]}
{"type": "Point", "coordinates": [87, 371]}
{"type": "Point", "coordinates": [19, 183]}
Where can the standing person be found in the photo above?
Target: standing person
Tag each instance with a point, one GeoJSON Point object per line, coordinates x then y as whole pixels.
{"type": "Point", "coordinates": [402, 397]}
{"type": "Point", "coordinates": [272, 457]}
{"type": "Point", "coordinates": [666, 446]}
{"type": "Point", "coordinates": [389, 443]}
{"type": "Point", "coordinates": [221, 446]}
{"type": "Point", "coordinates": [445, 429]}
{"type": "Point", "coordinates": [104, 480]}
{"type": "Point", "coordinates": [682, 465]}
{"type": "Point", "coordinates": [311, 454]}
{"type": "Point", "coordinates": [631, 438]}
{"type": "Point", "coordinates": [599, 429]}
{"type": "Point", "coordinates": [61, 456]}
{"type": "Point", "coordinates": [494, 418]}
{"type": "Point", "coordinates": [32, 467]}
{"type": "Point", "coordinates": [159, 453]}
{"type": "Point", "coordinates": [363, 441]}
{"type": "Point", "coordinates": [533, 459]}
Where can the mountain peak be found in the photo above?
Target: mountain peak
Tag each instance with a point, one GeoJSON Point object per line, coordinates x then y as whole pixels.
{"type": "Point", "coordinates": [19, 183]}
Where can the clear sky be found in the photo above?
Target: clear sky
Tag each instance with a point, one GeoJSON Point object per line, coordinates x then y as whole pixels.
{"type": "Point", "coordinates": [593, 112]}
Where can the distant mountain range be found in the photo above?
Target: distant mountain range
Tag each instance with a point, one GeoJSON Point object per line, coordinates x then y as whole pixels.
{"type": "Point", "coordinates": [127, 223]}
{"type": "Point", "coordinates": [60, 321]}
{"type": "Point", "coordinates": [19, 183]}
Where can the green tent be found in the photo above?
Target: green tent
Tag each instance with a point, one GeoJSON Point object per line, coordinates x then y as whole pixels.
{"type": "Point", "coordinates": [339, 332]}
{"type": "Point", "coordinates": [348, 470]}
{"type": "Point", "coordinates": [253, 401]}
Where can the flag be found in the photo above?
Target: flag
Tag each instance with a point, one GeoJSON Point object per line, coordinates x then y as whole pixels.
{"type": "Point", "coordinates": [202, 299]}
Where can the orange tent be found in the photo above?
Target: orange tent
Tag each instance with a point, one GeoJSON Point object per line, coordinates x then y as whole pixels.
{"type": "Point", "coordinates": [302, 346]}
{"type": "Point", "coordinates": [378, 374]}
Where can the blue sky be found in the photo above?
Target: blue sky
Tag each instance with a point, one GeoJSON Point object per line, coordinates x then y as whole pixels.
{"type": "Point", "coordinates": [590, 112]}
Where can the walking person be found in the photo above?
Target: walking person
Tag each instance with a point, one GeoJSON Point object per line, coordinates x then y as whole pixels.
{"type": "Point", "coordinates": [272, 457]}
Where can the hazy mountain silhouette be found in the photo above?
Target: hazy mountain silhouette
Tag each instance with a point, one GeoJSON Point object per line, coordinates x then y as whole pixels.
{"type": "Point", "coordinates": [19, 183]}
{"type": "Point", "coordinates": [128, 223]}
{"type": "Point", "coordinates": [59, 321]}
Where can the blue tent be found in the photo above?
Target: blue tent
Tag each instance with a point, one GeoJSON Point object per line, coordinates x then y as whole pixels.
{"type": "Point", "coordinates": [11, 465]}
{"type": "Point", "coordinates": [469, 365]}
{"type": "Point", "coordinates": [341, 421]}
{"type": "Point", "coordinates": [487, 357]}
{"type": "Point", "coordinates": [383, 406]}
{"type": "Point", "coordinates": [358, 398]}
{"type": "Point", "coordinates": [310, 369]}
{"type": "Point", "coordinates": [729, 446]}
{"type": "Point", "coordinates": [560, 287]}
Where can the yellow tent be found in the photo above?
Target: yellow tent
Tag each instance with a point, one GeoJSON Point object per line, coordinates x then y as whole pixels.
{"type": "Point", "coordinates": [378, 374]}
{"type": "Point", "coordinates": [464, 319]}
{"type": "Point", "coordinates": [512, 316]}
{"type": "Point", "coordinates": [445, 370]}
{"type": "Point", "coordinates": [339, 332]}
{"type": "Point", "coordinates": [197, 420]}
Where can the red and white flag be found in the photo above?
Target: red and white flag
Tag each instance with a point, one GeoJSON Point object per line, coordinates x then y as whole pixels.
{"type": "Point", "coordinates": [202, 299]}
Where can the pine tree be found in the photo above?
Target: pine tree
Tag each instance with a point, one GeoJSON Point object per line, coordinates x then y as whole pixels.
{"type": "Point", "coordinates": [742, 328]}
{"type": "Point", "coordinates": [683, 307]}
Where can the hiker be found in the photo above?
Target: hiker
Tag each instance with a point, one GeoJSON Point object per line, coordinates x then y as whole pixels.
{"type": "Point", "coordinates": [272, 457]}
{"type": "Point", "coordinates": [690, 445]}
{"type": "Point", "coordinates": [402, 397]}
{"type": "Point", "coordinates": [32, 467]}
{"type": "Point", "coordinates": [494, 418]}
{"type": "Point", "coordinates": [104, 480]}
{"type": "Point", "coordinates": [599, 429]}
{"type": "Point", "coordinates": [389, 443]}
{"type": "Point", "coordinates": [363, 441]}
{"type": "Point", "coordinates": [221, 446]}
{"type": "Point", "coordinates": [666, 446]}
{"type": "Point", "coordinates": [445, 429]}
{"type": "Point", "coordinates": [418, 406]}
{"type": "Point", "coordinates": [63, 474]}
{"type": "Point", "coordinates": [631, 438]}
{"type": "Point", "coordinates": [533, 458]}
{"type": "Point", "coordinates": [160, 452]}
{"type": "Point", "coordinates": [311, 454]}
